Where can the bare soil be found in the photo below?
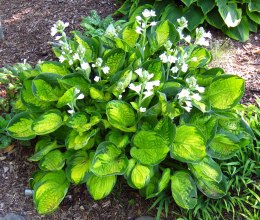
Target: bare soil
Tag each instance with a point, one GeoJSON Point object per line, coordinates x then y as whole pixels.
{"type": "Point", "coordinates": [27, 26]}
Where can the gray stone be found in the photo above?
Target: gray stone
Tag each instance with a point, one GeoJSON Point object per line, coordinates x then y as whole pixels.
{"type": "Point", "coordinates": [145, 218]}
{"type": "Point", "coordinates": [12, 216]}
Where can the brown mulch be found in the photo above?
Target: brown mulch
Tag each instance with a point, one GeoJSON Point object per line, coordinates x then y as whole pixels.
{"type": "Point", "coordinates": [27, 26]}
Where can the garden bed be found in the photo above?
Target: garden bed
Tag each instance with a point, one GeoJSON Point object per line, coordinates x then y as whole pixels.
{"type": "Point", "coordinates": [27, 35]}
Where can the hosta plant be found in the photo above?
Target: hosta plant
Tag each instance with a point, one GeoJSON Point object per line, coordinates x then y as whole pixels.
{"type": "Point", "coordinates": [234, 18]}
{"type": "Point", "coordinates": [143, 106]}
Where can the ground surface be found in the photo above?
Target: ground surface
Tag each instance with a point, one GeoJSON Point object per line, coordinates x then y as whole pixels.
{"type": "Point", "coordinates": [27, 33]}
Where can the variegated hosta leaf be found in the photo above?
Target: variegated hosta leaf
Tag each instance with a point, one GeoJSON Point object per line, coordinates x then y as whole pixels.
{"type": "Point", "coordinates": [223, 146]}
{"type": "Point", "coordinates": [47, 122]}
{"type": "Point", "coordinates": [209, 178]}
{"type": "Point", "coordinates": [149, 148]}
{"type": "Point", "coordinates": [52, 161]}
{"type": "Point", "coordinates": [100, 186]}
{"type": "Point", "coordinates": [140, 175]}
{"type": "Point", "coordinates": [43, 147]}
{"type": "Point", "coordinates": [53, 67]}
{"type": "Point", "coordinates": [77, 140]}
{"type": "Point", "coordinates": [78, 166]}
{"type": "Point", "coordinates": [157, 184]}
{"type": "Point", "coordinates": [114, 59]}
{"type": "Point", "coordinates": [189, 144]}
{"type": "Point", "coordinates": [207, 168]}
{"type": "Point", "coordinates": [109, 160]}
{"type": "Point", "coordinates": [184, 190]}
{"type": "Point", "coordinates": [121, 115]}
{"type": "Point", "coordinates": [225, 92]}
{"type": "Point", "coordinates": [49, 191]}
{"type": "Point", "coordinates": [20, 127]}
{"type": "Point", "coordinates": [118, 138]}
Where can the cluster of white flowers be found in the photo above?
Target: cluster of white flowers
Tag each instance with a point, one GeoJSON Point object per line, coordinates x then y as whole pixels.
{"type": "Point", "coordinates": [77, 95]}
{"type": "Point", "coordinates": [189, 94]}
{"type": "Point", "coordinates": [98, 63]}
{"type": "Point", "coordinates": [104, 69]}
{"type": "Point", "coordinates": [143, 21]}
{"type": "Point", "coordinates": [183, 23]}
{"type": "Point", "coordinates": [146, 87]}
{"type": "Point", "coordinates": [201, 36]}
{"type": "Point", "coordinates": [59, 27]}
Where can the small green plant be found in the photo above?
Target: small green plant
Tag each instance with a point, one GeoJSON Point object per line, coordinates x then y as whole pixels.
{"type": "Point", "coordinates": [234, 18]}
{"type": "Point", "coordinates": [144, 106]}
{"type": "Point", "coordinates": [10, 85]}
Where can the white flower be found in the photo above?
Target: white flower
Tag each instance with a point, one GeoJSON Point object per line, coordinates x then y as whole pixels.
{"type": "Point", "coordinates": [194, 59]}
{"type": "Point", "coordinates": [200, 89]}
{"type": "Point", "coordinates": [180, 32]}
{"type": "Point", "coordinates": [196, 97]}
{"type": "Point", "coordinates": [203, 42]}
{"type": "Point", "coordinates": [142, 109]}
{"type": "Point", "coordinates": [172, 59]}
{"type": "Point", "coordinates": [148, 13]}
{"type": "Point", "coordinates": [105, 69]}
{"type": "Point", "coordinates": [81, 96]}
{"type": "Point", "coordinates": [62, 58]}
{"type": "Point", "coordinates": [184, 68]}
{"type": "Point", "coordinates": [174, 69]}
{"type": "Point", "coordinates": [111, 31]}
{"type": "Point", "coordinates": [150, 76]}
{"type": "Point", "coordinates": [76, 56]}
{"type": "Point", "coordinates": [188, 103]}
{"type": "Point", "coordinates": [191, 81]}
{"type": "Point", "coordinates": [138, 18]}
{"type": "Point", "coordinates": [58, 37]}
{"type": "Point", "coordinates": [207, 35]}
{"type": "Point", "coordinates": [184, 94]}
{"type": "Point", "coordinates": [182, 22]}
{"type": "Point", "coordinates": [54, 31]}
{"type": "Point", "coordinates": [139, 72]}
{"type": "Point", "coordinates": [71, 111]}
{"type": "Point", "coordinates": [138, 30]}
{"type": "Point", "coordinates": [120, 97]}
{"type": "Point", "coordinates": [85, 65]}
{"type": "Point", "coordinates": [187, 38]}
{"type": "Point", "coordinates": [77, 91]}
{"type": "Point", "coordinates": [71, 62]}
{"type": "Point", "coordinates": [188, 109]}
{"type": "Point", "coordinates": [164, 58]}
{"type": "Point", "coordinates": [153, 23]}
{"type": "Point", "coordinates": [147, 94]}
{"type": "Point", "coordinates": [97, 78]}
{"type": "Point", "coordinates": [99, 61]}
{"type": "Point", "coordinates": [137, 88]}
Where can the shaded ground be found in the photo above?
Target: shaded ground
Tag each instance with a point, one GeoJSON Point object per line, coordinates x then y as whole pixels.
{"type": "Point", "coordinates": [27, 33]}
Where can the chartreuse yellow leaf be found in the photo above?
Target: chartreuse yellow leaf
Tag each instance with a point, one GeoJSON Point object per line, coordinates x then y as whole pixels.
{"type": "Point", "coordinates": [49, 191]}
{"type": "Point", "coordinates": [140, 175]}
{"type": "Point", "coordinates": [109, 160]}
{"type": "Point", "coordinates": [47, 122]}
{"type": "Point", "coordinates": [149, 148]}
{"type": "Point", "coordinates": [225, 92]}
{"type": "Point", "coordinates": [100, 186]}
{"type": "Point", "coordinates": [189, 144]}
{"type": "Point", "coordinates": [20, 127]}
{"type": "Point", "coordinates": [184, 190]}
{"type": "Point", "coordinates": [78, 166]}
{"type": "Point", "coordinates": [121, 115]}
{"type": "Point", "coordinates": [52, 161]}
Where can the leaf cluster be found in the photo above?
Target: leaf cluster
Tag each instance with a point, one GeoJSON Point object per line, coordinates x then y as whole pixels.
{"type": "Point", "coordinates": [234, 18]}
{"type": "Point", "coordinates": [118, 109]}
